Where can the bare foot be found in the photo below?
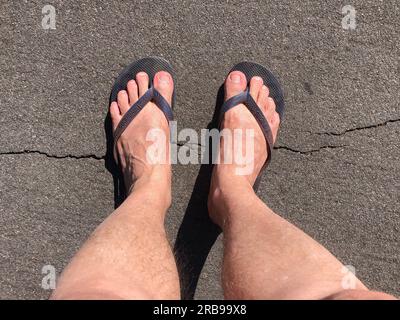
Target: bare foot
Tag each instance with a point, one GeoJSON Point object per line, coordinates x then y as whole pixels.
{"type": "Point", "coordinates": [224, 176]}
{"type": "Point", "coordinates": [132, 145]}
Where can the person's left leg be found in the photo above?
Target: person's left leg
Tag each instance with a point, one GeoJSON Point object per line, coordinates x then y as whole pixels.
{"type": "Point", "coordinates": [128, 256]}
{"type": "Point", "coordinates": [265, 256]}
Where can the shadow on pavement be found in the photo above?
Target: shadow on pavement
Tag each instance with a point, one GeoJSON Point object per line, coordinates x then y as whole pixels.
{"type": "Point", "coordinates": [197, 233]}
{"type": "Point", "coordinates": [111, 165]}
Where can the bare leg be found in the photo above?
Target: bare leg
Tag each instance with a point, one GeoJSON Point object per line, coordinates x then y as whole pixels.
{"type": "Point", "coordinates": [266, 257]}
{"type": "Point", "coordinates": [128, 256]}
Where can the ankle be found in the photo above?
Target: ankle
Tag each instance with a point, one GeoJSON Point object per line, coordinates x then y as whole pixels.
{"type": "Point", "coordinates": [154, 186]}
{"type": "Point", "coordinates": [226, 192]}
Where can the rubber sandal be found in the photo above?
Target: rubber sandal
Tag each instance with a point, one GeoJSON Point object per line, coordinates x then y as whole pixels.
{"type": "Point", "coordinates": [250, 70]}
{"type": "Point", "coordinates": [151, 66]}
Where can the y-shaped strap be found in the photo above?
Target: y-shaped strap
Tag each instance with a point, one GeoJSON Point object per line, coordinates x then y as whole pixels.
{"type": "Point", "coordinates": [150, 95]}
{"type": "Point", "coordinates": [249, 102]}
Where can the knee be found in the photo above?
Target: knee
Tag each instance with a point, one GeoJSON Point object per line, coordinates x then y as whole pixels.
{"type": "Point", "coordinates": [99, 295]}
{"type": "Point", "coordinates": [99, 290]}
{"type": "Point", "coordinates": [360, 295]}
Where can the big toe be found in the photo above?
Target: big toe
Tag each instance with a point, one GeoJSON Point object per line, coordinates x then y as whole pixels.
{"type": "Point", "coordinates": [164, 84]}
{"type": "Point", "coordinates": [235, 83]}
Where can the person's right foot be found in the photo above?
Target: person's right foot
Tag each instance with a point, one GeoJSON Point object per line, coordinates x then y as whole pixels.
{"type": "Point", "coordinates": [225, 175]}
{"type": "Point", "coordinates": [132, 145]}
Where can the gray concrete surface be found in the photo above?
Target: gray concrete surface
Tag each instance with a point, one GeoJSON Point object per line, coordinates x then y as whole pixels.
{"type": "Point", "coordinates": [336, 171]}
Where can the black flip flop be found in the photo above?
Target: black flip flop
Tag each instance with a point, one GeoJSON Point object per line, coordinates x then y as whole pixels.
{"type": "Point", "coordinates": [151, 66]}
{"type": "Point", "coordinates": [250, 70]}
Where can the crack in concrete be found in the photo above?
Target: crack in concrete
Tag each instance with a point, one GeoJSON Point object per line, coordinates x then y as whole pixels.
{"type": "Point", "coordinates": [190, 145]}
{"type": "Point", "coordinates": [283, 147]}
{"type": "Point", "coordinates": [179, 144]}
{"type": "Point", "coordinates": [54, 156]}
{"type": "Point", "coordinates": [332, 133]}
{"type": "Point", "coordinates": [197, 145]}
{"type": "Point", "coordinates": [71, 156]}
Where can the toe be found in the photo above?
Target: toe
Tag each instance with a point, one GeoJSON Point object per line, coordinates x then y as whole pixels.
{"type": "Point", "coordinates": [235, 83]}
{"type": "Point", "coordinates": [276, 119]}
{"type": "Point", "coordinates": [115, 114]}
{"type": "Point", "coordinates": [275, 122]}
{"type": "Point", "coordinates": [270, 107]}
{"type": "Point", "coordinates": [164, 84]}
{"type": "Point", "coordinates": [256, 83]}
{"type": "Point", "coordinates": [132, 91]}
{"type": "Point", "coordinates": [142, 80]}
{"type": "Point", "coordinates": [123, 101]}
{"type": "Point", "coordinates": [263, 97]}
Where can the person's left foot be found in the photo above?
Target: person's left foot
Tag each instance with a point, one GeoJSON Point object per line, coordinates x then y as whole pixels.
{"type": "Point", "coordinates": [225, 176]}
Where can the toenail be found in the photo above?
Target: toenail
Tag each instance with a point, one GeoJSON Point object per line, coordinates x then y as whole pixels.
{"type": "Point", "coordinates": [235, 78]}
{"type": "Point", "coordinates": [142, 74]}
{"type": "Point", "coordinates": [258, 79]}
{"type": "Point", "coordinates": [164, 78]}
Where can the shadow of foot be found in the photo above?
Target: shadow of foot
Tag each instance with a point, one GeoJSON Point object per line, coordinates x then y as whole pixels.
{"type": "Point", "coordinates": [197, 233]}
{"type": "Point", "coordinates": [111, 165]}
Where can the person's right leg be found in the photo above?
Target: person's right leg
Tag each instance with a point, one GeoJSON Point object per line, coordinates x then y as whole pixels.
{"type": "Point", "coordinates": [128, 256]}
{"type": "Point", "coordinates": [266, 257]}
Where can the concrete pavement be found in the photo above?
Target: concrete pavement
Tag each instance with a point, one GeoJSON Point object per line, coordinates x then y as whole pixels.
{"type": "Point", "coordinates": [336, 171]}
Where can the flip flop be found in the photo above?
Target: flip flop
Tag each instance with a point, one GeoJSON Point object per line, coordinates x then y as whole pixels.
{"type": "Point", "coordinates": [151, 66]}
{"type": "Point", "coordinates": [250, 70]}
